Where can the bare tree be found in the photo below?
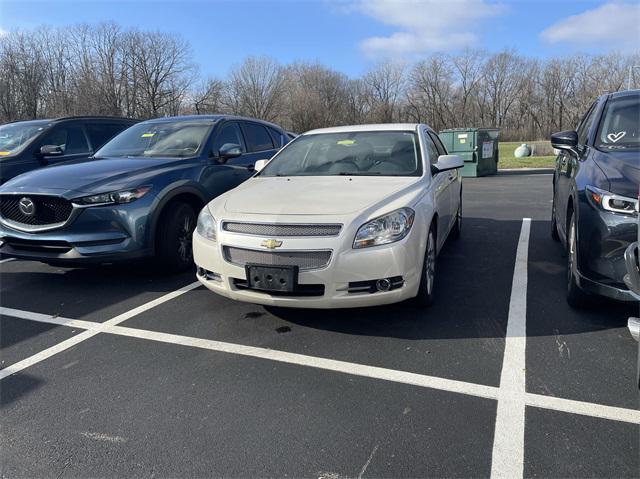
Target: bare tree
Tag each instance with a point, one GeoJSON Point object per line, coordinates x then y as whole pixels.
{"type": "Point", "coordinates": [386, 86]}
{"type": "Point", "coordinates": [255, 88]}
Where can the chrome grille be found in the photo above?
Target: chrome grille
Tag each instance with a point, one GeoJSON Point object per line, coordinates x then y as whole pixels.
{"type": "Point", "coordinates": [266, 229]}
{"type": "Point", "coordinates": [48, 209]}
{"type": "Point", "coordinates": [305, 260]}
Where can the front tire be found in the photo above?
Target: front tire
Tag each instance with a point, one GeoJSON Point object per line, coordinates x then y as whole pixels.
{"type": "Point", "coordinates": [425, 296]}
{"type": "Point", "coordinates": [174, 247]}
{"type": "Point", "coordinates": [575, 296]}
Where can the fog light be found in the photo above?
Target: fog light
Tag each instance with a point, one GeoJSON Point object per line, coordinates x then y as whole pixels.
{"type": "Point", "coordinates": [209, 275]}
{"type": "Point", "coordinates": [383, 285]}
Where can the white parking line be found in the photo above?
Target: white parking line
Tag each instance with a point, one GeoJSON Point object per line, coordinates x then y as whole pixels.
{"type": "Point", "coordinates": [374, 372]}
{"type": "Point", "coordinates": [507, 460]}
{"type": "Point", "coordinates": [90, 330]}
{"type": "Point", "coordinates": [6, 260]}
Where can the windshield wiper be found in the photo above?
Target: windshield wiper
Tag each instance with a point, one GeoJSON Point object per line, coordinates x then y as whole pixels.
{"type": "Point", "coordinates": [360, 173]}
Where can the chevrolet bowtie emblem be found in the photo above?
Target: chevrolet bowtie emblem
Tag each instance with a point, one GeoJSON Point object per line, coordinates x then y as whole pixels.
{"type": "Point", "coordinates": [271, 243]}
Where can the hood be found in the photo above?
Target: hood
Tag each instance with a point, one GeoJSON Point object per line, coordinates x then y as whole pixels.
{"type": "Point", "coordinates": [312, 195]}
{"type": "Point", "coordinates": [92, 176]}
{"type": "Point", "coordinates": [622, 169]}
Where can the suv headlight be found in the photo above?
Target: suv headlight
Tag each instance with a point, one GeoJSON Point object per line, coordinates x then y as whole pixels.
{"type": "Point", "coordinates": [385, 229]}
{"type": "Point", "coordinates": [116, 197]}
{"type": "Point", "coordinates": [206, 225]}
{"type": "Point", "coordinates": [608, 201]}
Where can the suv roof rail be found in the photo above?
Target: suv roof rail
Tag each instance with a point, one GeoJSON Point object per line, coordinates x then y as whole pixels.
{"type": "Point", "coordinates": [94, 117]}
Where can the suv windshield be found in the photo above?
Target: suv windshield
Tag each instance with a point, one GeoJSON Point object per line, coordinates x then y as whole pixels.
{"type": "Point", "coordinates": [14, 136]}
{"type": "Point", "coordinates": [620, 124]}
{"type": "Point", "coordinates": [366, 153]}
{"type": "Point", "coordinates": [159, 139]}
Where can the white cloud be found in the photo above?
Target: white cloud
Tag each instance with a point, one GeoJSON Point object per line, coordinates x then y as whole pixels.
{"type": "Point", "coordinates": [425, 25]}
{"type": "Point", "coordinates": [612, 25]}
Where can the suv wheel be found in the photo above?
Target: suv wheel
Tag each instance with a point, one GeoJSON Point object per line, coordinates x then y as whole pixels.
{"type": "Point", "coordinates": [174, 248]}
{"type": "Point", "coordinates": [575, 296]}
{"type": "Point", "coordinates": [425, 294]}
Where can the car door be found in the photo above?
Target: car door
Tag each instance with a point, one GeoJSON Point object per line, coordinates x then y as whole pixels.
{"type": "Point", "coordinates": [453, 176]}
{"type": "Point", "coordinates": [218, 176]}
{"type": "Point", "coordinates": [567, 168]}
{"type": "Point", "coordinates": [442, 195]}
{"type": "Point", "coordinates": [71, 141]}
{"type": "Point", "coordinates": [260, 144]}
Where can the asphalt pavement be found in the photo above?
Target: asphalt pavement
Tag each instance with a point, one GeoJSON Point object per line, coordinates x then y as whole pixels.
{"type": "Point", "coordinates": [125, 372]}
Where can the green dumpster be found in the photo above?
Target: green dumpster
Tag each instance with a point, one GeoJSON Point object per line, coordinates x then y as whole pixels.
{"type": "Point", "coordinates": [478, 147]}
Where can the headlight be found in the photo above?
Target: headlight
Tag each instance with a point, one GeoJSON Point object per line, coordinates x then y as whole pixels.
{"type": "Point", "coordinates": [611, 202]}
{"type": "Point", "coordinates": [116, 197]}
{"type": "Point", "coordinates": [385, 229]}
{"type": "Point", "coordinates": [206, 225]}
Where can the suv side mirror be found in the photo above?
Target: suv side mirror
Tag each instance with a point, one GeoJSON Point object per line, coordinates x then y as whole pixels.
{"type": "Point", "coordinates": [448, 162]}
{"type": "Point", "coordinates": [260, 164]}
{"type": "Point", "coordinates": [565, 141]}
{"type": "Point", "coordinates": [228, 151]}
{"type": "Point", "coordinates": [50, 150]}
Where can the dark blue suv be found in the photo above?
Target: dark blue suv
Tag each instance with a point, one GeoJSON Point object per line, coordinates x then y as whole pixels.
{"type": "Point", "coordinates": [28, 145]}
{"type": "Point", "coordinates": [139, 196]}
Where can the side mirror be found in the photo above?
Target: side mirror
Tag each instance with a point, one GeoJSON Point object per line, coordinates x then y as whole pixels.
{"type": "Point", "coordinates": [448, 162]}
{"type": "Point", "coordinates": [565, 141]}
{"type": "Point", "coordinates": [228, 151]}
{"type": "Point", "coordinates": [50, 150]}
{"type": "Point", "coordinates": [260, 164]}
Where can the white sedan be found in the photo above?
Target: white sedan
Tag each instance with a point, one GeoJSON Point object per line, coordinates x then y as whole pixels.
{"type": "Point", "coordinates": [340, 217]}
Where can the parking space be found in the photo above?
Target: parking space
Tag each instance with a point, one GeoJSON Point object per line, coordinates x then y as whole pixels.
{"type": "Point", "coordinates": [181, 382]}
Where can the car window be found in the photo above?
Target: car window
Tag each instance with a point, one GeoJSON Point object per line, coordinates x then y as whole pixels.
{"type": "Point", "coordinates": [14, 137]}
{"type": "Point", "coordinates": [432, 151]}
{"type": "Point", "coordinates": [258, 139]}
{"type": "Point", "coordinates": [357, 153]}
{"type": "Point", "coordinates": [441, 149]}
{"type": "Point", "coordinates": [585, 125]}
{"type": "Point", "coordinates": [279, 138]}
{"type": "Point", "coordinates": [159, 139]}
{"type": "Point", "coordinates": [100, 133]}
{"type": "Point", "coordinates": [70, 139]}
{"type": "Point", "coordinates": [620, 125]}
{"type": "Point", "coordinates": [229, 133]}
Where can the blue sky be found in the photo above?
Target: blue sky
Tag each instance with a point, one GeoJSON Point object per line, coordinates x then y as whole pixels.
{"type": "Point", "coordinates": [351, 35]}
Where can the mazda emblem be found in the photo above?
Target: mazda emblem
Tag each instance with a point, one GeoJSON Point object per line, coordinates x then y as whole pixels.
{"type": "Point", "coordinates": [27, 206]}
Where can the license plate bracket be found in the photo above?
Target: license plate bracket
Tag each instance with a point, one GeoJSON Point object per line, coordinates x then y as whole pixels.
{"type": "Point", "coordinates": [272, 278]}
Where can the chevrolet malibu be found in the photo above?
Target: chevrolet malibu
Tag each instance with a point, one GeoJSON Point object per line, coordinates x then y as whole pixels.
{"type": "Point", "coordinates": [341, 217]}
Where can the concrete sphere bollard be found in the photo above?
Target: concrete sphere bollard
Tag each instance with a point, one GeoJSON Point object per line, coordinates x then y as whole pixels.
{"type": "Point", "coordinates": [522, 151]}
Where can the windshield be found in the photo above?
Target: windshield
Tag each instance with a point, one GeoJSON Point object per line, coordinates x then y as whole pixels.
{"type": "Point", "coordinates": [366, 153]}
{"type": "Point", "coordinates": [620, 124]}
{"type": "Point", "coordinates": [159, 139]}
{"type": "Point", "coordinates": [15, 136]}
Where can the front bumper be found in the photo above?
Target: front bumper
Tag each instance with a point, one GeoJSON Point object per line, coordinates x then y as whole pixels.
{"type": "Point", "coordinates": [102, 234]}
{"type": "Point", "coordinates": [603, 238]}
{"type": "Point", "coordinates": [347, 265]}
